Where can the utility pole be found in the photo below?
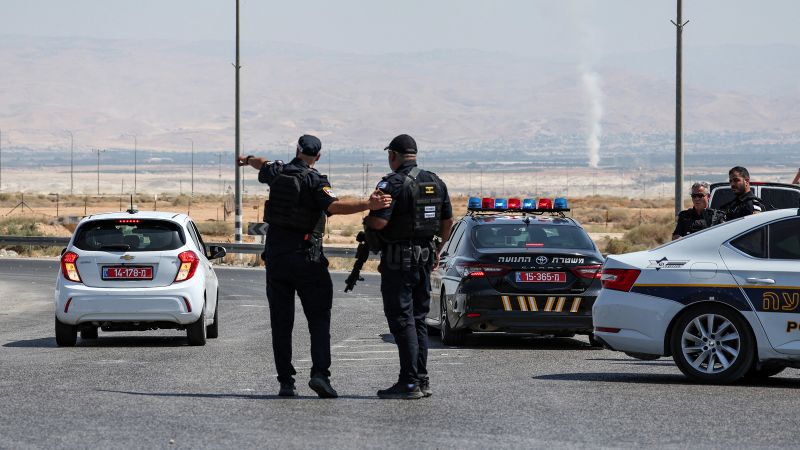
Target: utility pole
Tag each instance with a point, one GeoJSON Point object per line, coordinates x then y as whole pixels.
{"type": "Point", "coordinates": [238, 150]}
{"type": "Point", "coordinates": [219, 163]}
{"type": "Point", "coordinates": [192, 141]}
{"type": "Point", "coordinates": [135, 148]}
{"type": "Point", "coordinates": [679, 24]}
{"type": "Point", "coordinates": [71, 164]}
{"type": "Point", "coordinates": [98, 151]}
{"type": "Point", "coordinates": [1, 160]}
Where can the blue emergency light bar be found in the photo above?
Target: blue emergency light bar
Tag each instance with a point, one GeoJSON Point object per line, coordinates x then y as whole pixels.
{"type": "Point", "coordinates": [531, 205]}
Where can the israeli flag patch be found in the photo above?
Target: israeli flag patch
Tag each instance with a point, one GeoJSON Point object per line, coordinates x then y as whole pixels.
{"type": "Point", "coordinates": [382, 185]}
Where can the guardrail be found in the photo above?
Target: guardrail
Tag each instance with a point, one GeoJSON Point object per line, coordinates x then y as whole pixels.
{"type": "Point", "coordinates": [231, 247]}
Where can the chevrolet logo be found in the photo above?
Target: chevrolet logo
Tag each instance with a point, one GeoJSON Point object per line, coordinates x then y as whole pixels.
{"type": "Point", "coordinates": [127, 257]}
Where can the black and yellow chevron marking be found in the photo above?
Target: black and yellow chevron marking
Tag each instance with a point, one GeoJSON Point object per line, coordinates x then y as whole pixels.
{"type": "Point", "coordinates": [549, 304]}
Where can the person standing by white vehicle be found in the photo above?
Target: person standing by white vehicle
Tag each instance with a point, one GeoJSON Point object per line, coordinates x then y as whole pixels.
{"type": "Point", "coordinates": [699, 216]}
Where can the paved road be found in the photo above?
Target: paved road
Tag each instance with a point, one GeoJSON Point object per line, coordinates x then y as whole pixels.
{"type": "Point", "coordinates": [152, 390]}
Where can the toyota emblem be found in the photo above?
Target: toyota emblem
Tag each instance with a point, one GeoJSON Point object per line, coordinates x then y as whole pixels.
{"type": "Point", "coordinates": [541, 260]}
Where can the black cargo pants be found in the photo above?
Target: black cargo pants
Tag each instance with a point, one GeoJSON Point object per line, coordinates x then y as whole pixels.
{"type": "Point", "coordinates": [291, 273]}
{"type": "Point", "coordinates": [406, 302]}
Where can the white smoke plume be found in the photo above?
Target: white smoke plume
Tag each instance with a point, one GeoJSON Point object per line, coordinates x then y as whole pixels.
{"type": "Point", "coordinates": [594, 92]}
{"type": "Point", "coordinates": [579, 15]}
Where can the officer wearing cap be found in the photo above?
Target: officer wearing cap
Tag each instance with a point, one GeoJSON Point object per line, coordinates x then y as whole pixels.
{"type": "Point", "coordinates": [300, 199]}
{"type": "Point", "coordinates": [420, 209]}
{"type": "Point", "coordinates": [745, 203]}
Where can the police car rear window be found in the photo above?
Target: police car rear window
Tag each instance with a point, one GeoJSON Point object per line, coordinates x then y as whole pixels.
{"type": "Point", "coordinates": [129, 235]}
{"type": "Point", "coordinates": [530, 236]}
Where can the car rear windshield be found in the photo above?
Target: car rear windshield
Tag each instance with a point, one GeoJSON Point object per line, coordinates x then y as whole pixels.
{"type": "Point", "coordinates": [132, 235]}
{"type": "Point", "coordinates": [531, 236]}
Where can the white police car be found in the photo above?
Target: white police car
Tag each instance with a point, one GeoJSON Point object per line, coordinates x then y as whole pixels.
{"type": "Point", "coordinates": [724, 302]}
{"type": "Point", "coordinates": [136, 271]}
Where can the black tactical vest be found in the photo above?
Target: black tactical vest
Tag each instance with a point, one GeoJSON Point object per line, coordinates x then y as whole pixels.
{"type": "Point", "coordinates": [424, 219]}
{"type": "Point", "coordinates": [286, 208]}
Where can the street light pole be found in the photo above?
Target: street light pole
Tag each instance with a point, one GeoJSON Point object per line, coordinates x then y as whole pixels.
{"type": "Point", "coordinates": [238, 149]}
{"type": "Point", "coordinates": [679, 110]}
{"type": "Point", "coordinates": [71, 163]}
{"type": "Point", "coordinates": [192, 141]}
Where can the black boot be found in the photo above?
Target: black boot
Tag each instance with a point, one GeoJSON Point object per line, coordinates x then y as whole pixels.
{"type": "Point", "coordinates": [401, 391]}
{"type": "Point", "coordinates": [287, 390]}
{"type": "Point", "coordinates": [322, 386]}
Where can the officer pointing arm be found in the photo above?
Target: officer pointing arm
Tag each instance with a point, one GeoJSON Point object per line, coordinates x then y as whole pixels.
{"type": "Point", "coordinates": [300, 198]}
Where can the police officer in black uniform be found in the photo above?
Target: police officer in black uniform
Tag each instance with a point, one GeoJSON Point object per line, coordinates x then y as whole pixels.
{"type": "Point", "coordinates": [699, 216]}
{"type": "Point", "coordinates": [299, 200]}
{"type": "Point", "coordinates": [420, 210]}
{"type": "Point", "coordinates": [745, 203]}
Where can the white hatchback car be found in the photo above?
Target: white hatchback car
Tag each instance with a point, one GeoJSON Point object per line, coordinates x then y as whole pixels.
{"type": "Point", "coordinates": [724, 302]}
{"type": "Point", "coordinates": [136, 271]}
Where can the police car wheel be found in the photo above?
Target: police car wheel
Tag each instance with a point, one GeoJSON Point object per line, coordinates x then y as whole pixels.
{"type": "Point", "coordinates": [449, 335]}
{"type": "Point", "coordinates": [712, 344]}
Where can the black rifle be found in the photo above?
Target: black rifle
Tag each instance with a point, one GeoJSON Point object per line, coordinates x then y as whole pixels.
{"type": "Point", "coordinates": [362, 254]}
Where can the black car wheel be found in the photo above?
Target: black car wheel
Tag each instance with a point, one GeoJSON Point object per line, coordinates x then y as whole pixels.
{"type": "Point", "coordinates": [212, 331]}
{"type": "Point", "coordinates": [712, 344]}
{"type": "Point", "coordinates": [196, 332]}
{"type": "Point", "coordinates": [66, 335]}
{"type": "Point", "coordinates": [449, 335]}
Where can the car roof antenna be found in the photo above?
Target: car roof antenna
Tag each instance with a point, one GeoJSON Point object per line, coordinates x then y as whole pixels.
{"type": "Point", "coordinates": [132, 209]}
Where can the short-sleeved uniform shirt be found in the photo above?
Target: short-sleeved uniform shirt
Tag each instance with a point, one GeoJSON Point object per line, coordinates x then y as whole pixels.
{"type": "Point", "coordinates": [402, 201]}
{"type": "Point", "coordinates": [315, 193]}
{"type": "Point", "coordinates": [744, 205]}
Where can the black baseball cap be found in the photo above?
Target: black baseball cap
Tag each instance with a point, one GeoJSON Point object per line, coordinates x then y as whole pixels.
{"type": "Point", "coordinates": [309, 145]}
{"type": "Point", "coordinates": [403, 144]}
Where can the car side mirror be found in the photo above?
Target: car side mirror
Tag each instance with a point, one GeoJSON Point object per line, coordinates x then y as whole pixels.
{"type": "Point", "coordinates": [216, 251]}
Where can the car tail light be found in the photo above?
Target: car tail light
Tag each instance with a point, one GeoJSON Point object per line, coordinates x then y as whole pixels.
{"type": "Point", "coordinates": [619, 279]}
{"type": "Point", "coordinates": [68, 267]}
{"type": "Point", "coordinates": [478, 270]}
{"type": "Point", "coordinates": [189, 263]}
{"type": "Point", "coordinates": [589, 272]}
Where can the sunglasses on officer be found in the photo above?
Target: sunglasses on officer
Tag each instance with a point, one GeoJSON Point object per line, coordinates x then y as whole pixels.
{"type": "Point", "coordinates": [698, 195]}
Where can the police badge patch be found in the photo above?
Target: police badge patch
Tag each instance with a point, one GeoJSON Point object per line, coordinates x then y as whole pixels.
{"type": "Point", "coordinates": [328, 192]}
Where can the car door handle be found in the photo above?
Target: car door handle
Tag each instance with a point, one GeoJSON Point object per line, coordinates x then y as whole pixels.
{"type": "Point", "coordinates": [761, 281]}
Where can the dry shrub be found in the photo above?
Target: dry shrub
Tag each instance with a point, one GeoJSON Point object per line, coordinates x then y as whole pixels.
{"type": "Point", "coordinates": [214, 228]}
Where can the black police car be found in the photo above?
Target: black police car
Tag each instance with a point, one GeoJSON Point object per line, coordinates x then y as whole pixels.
{"type": "Point", "coordinates": [515, 270]}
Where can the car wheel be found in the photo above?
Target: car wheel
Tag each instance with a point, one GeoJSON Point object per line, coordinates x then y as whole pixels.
{"type": "Point", "coordinates": [712, 344]}
{"type": "Point", "coordinates": [196, 332]}
{"type": "Point", "coordinates": [763, 373]}
{"type": "Point", "coordinates": [449, 335]}
{"type": "Point", "coordinates": [66, 335]}
{"type": "Point", "coordinates": [89, 332]}
{"type": "Point", "coordinates": [212, 331]}
{"type": "Point", "coordinates": [594, 342]}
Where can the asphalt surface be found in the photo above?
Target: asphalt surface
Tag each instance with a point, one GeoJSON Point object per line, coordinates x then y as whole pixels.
{"type": "Point", "coordinates": [136, 390]}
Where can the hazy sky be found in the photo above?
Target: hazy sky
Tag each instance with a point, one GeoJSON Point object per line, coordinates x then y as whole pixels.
{"type": "Point", "coordinates": [525, 27]}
